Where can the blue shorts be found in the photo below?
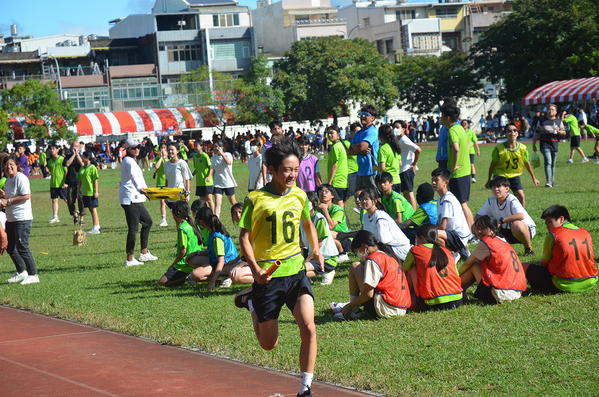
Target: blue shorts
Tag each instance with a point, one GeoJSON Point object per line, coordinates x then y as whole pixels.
{"type": "Point", "coordinates": [407, 180]}
{"type": "Point", "coordinates": [351, 184]}
{"type": "Point", "coordinates": [460, 187]}
{"type": "Point", "coordinates": [229, 191]}
{"type": "Point", "coordinates": [454, 242]}
{"type": "Point", "coordinates": [202, 191]}
{"type": "Point", "coordinates": [90, 201]}
{"type": "Point", "coordinates": [269, 298]}
{"type": "Point", "coordinates": [56, 192]}
{"type": "Point", "coordinates": [340, 193]}
{"type": "Point", "coordinates": [472, 158]}
{"type": "Point", "coordinates": [515, 183]}
{"type": "Point", "coordinates": [575, 141]}
{"type": "Point", "coordinates": [173, 274]}
{"type": "Point", "coordinates": [327, 267]}
{"type": "Point", "coordinates": [396, 187]}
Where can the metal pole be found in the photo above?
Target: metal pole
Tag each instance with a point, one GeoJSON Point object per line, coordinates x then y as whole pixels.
{"type": "Point", "coordinates": [58, 74]}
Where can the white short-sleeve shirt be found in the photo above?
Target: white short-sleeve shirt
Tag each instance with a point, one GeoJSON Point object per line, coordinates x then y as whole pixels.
{"type": "Point", "coordinates": [510, 206]}
{"type": "Point", "coordinates": [16, 186]}
{"type": "Point", "coordinates": [387, 232]}
{"type": "Point", "coordinates": [449, 207]}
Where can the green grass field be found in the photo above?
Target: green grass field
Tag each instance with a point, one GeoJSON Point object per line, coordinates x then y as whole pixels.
{"type": "Point", "coordinates": [538, 345]}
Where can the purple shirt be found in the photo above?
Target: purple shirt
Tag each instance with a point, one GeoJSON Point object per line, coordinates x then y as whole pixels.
{"type": "Point", "coordinates": [24, 163]}
{"type": "Point", "coordinates": [308, 169]}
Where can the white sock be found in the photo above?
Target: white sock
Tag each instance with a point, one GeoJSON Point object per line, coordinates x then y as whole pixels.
{"type": "Point", "coordinates": [250, 305]}
{"type": "Point", "coordinates": [164, 217]}
{"type": "Point", "coordinates": [352, 298]}
{"type": "Point", "coordinates": [305, 381]}
{"type": "Point", "coordinates": [97, 227]}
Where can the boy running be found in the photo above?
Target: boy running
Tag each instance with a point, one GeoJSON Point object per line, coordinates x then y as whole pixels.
{"type": "Point", "coordinates": [270, 231]}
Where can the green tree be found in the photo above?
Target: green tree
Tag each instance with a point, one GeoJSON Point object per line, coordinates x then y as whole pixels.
{"type": "Point", "coordinates": [213, 93]}
{"type": "Point", "coordinates": [46, 112]}
{"type": "Point", "coordinates": [319, 75]}
{"type": "Point", "coordinates": [539, 42]}
{"type": "Point", "coordinates": [3, 128]}
{"type": "Point", "coordinates": [257, 101]}
{"type": "Point", "coordinates": [424, 80]}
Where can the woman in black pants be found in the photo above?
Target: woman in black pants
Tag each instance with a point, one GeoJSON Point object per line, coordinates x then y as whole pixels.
{"type": "Point", "coordinates": [132, 197]}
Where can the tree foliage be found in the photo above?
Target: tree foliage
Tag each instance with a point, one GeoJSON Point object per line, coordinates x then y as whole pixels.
{"type": "Point", "coordinates": [213, 93]}
{"type": "Point", "coordinates": [424, 80]}
{"type": "Point", "coordinates": [45, 112]}
{"type": "Point", "coordinates": [3, 128]}
{"type": "Point", "coordinates": [539, 42]}
{"type": "Point", "coordinates": [318, 75]}
{"type": "Point", "coordinates": [257, 101]}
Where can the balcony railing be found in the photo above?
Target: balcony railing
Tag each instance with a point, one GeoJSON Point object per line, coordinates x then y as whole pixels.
{"type": "Point", "coordinates": [302, 22]}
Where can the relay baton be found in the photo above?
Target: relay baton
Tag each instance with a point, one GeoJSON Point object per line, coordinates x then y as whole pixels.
{"type": "Point", "coordinates": [272, 268]}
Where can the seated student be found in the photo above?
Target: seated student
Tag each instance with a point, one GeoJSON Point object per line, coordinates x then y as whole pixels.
{"type": "Point", "coordinates": [432, 273]}
{"type": "Point", "coordinates": [336, 218]}
{"type": "Point", "coordinates": [189, 240]}
{"type": "Point", "coordinates": [454, 232]}
{"type": "Point", "coordinates": [395, 204]}
{"type": "Point", "coordinates": [379, 223]}
{"type": "Point", "coordinates": [220, 256]}
{"type": "Point", "coordinates": [517, 227]}
{"type": "Point", "coordinates": [425, 214]}
{"type": "Point", "coordinates": [379, 284]}
{"type": "Point", "coordinates": [568, 263]}
{"type": "Point", "coordinates": [236, 213]}
{"type": "Point", "coordinates": [325, 241]}
{"type": "Point", "coordinates": [490, 136]}
{"type": "Point", "coordinates": [494, 265]}
{"type": "Point", "coordinates": [199, 211]}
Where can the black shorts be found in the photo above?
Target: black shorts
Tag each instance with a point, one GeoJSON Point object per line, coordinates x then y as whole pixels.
{"type": "Point", "coordinates": [202, 191]}
{"type": "Point", "coordinates": [407, 180]}
{"type": "Point", "coordinates": [472, 158]}
{"type": "Point", "coordinates": [460, 187]}
{"type": "Point", "coordinates": [346, 245]}
{"type": "Point", "coordinates": [443, 164]}
{"type": "Point", "coordinates": [90, 201]}
{"type": "Point", "coordinates": [515, 183]}
{"type": "Point", "coordinates": [340, 193]}
{"type": "Point", "coordinates": [351, 184]}
{"type": "Point", "coordinates": [169, 204]}
{"type": "Point", "coordinates": [58, 192]}
{"type": "Point", "coordinates": [483, 292]}
{"type": "Point", "coordinates": [575, 141]}
{"type": "Point", "coordinates": [441, 306]}
{"type": "Point", "coordinates": [268, 299]}
{"type": "Point", "coordinates": [173, 274]}
{"type": "Point", "coordinates": [367, 181]}
{"type": "Point", "coordinates": [396, 188]}
{"type": "Point", "coordinates": [540, 278]}
{"type": "Point", "coordinates": [369, 308]}
{"type": "Point", "coordinates": [509, 237]}
{"type": "Point", "coordinates": [229, 191]}
{"type": "Point", "coordinates": [327, 267]}
{"type": "Point", "coordinates": [454, 242]}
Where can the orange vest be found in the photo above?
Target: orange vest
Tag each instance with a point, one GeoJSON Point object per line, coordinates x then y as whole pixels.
{"type": "Point", "coordinates": [393, 286]}
{"type": "Point", "coordinates": [432, 283]}
{"type": "Point", "coordinates": [503, 269]}
{"type": "Point", "coordinates": [572, 254]}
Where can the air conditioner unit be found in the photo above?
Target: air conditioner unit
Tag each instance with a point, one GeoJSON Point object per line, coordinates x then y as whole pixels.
{"type": "Point", "coordinates": [105, 109]}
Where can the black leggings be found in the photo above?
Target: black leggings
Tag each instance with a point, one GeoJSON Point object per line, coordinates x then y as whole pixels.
{"type": "Point", "coordinates": [137, 213]}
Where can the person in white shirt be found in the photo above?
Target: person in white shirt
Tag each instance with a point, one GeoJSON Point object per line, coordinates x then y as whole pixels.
{"type": "Point", "coordinates": [378, 222]}
{"type": "Point", "coordinates": [453, 230]}
{"type": "Point", "coordinates": [517, 227]}
{"type": "Point", "coordinates": [224, 182]}
{"type": "Point", "coordinates": [255, 166]}
{"type": "Point", "coordinates": [410, 154]}
{"type": "Point", "coordinates": [132, 198]}
{"type": "Point", "coordinates": [176, 171]}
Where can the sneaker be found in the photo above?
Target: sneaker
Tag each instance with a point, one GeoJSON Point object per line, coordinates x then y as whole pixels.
{"type": "Point", "coordinates": [327, 278]}
{"type": "Point", "coordinates": [584, 160]}
{"type": "Point", "coordinates": [306, 393]}
{"type": "Point", "coordinates": [336, 307]}
{"type": "Point", "coordinates": [593, 157]}
{"type": "Point", "coordinates": [147, 257]}
{"type": "Point", "coordinates": [81, 223]}
{"type": "Point", "coordinates": [76, 218]}
{"type": "Point", "coordinates": [163, 222]}
{"type": "Point", "coordinates": [553, 184]}
{"type": "Point", "coordinates": [473, 180]}
{"type": "Point", "coordinates": [48, 177]}
{"type": "Point", "coordinates": [95, 231]}
{"type": "Point", "coordinates": [226, 283]}
{"type": "Point", "coordinates": [342, 258]}
{"type": "Point", "coordinates": [352, 316]}
{"type": "Point", "coordinates": [189, 280]}
{"type": "Point", "coordinates": [18, 277]}
{"type": "Point", "coordinates": [30, 280]}
{"type": "Point", "coordinates": [528, 252]}
{"type": "Point", "coordinates": [548, 184]}
{"type": "Point", "coordinates": [133, 262]}
{"type": "Point", "coordinates": [54, 220]}
{"type": "Point", "coordinates": [569, 161]}
{"type": "Point", "coordinates": [456, 257]}
{"type": "Point", "coordinates": [465, 252]}
{"type": "Point", "coordinates": [597, 162]}
{"type": "Point", "coordinates": [242, 298]}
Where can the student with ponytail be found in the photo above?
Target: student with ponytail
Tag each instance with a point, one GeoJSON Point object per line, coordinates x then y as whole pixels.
{"type": "Point", "coordinates": [389, 156]}
{"type": "Point", "coordinates": [379, 284]}
{"type": "Point", "coordinates": [494, 265]}
{"type": "Point", "coordinates": [221, 255]}
{"type": "Point", "coordinates": [432, 272]}
{"type": "Point", "coordinates": [189, 239]}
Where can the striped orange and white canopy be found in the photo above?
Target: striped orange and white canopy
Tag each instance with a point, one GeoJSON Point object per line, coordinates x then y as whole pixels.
{"type": "Point", "coordinates": [564, 91]}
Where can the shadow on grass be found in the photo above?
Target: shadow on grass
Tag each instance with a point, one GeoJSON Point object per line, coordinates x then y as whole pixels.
{"type": "Point", "coordinates": [183, 290]}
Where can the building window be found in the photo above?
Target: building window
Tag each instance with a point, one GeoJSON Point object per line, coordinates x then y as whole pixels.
{"type": "Point", "coordinates": [405, 15]}
{"type": "Point", "coordinates": [185, 52]}
{"type": "Point", "coordinates": [380, 47]}
{"type": "Point", "coordinates": [230, 50]}
{"type": "Point", "coordinates": [389, 46]}
{"type": "Point", "coordinates": [447, 13]}
{"type": "Point", "coordinates": [366, 22]}
{"type": "Point", "coordinates": [224, 20]}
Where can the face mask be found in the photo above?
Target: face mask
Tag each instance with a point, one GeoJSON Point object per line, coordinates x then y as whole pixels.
{"type": "Point", "coordinates": [396, 132]}
{"type": "Point", "coordinates": [362, 255]}
{"type": "Point", "coordinates": [254, 149]}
